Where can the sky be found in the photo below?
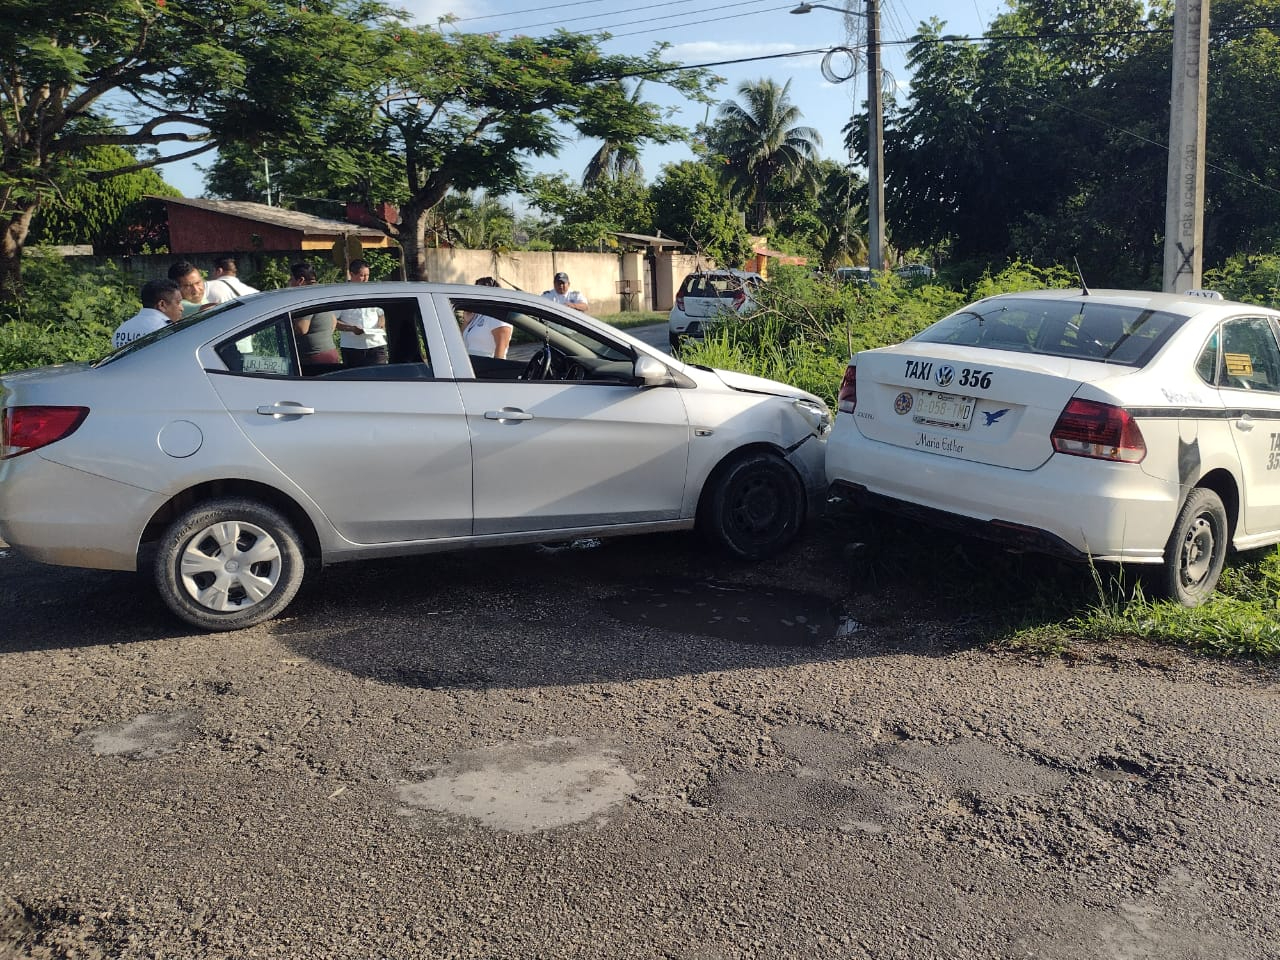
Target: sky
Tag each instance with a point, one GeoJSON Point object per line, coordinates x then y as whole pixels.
{"type": "Point", "coordinates": [702, 32]}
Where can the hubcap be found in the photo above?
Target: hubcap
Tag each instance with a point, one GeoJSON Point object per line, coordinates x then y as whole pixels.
{"type": "Point", "coordinates": [1197, 551]}
{"type": "Point", "coordinates": [755, 509]}
{"type": "Point", "coordinates": [230, 566]}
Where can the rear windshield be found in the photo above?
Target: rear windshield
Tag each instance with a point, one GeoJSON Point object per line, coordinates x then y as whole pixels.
{"type": "Point", "coordinates": [1106, 332]}
{"type": "Point", "coordinates": [700, 285]}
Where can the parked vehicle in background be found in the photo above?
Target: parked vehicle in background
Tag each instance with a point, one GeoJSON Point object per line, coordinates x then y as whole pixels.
{"type": "Point", "coordinates": [853, 274]}
{"type": "Point", "coordinates": [708, 296]}
{"type": "Point", "coordinates": [214, 443]}
{"type": "Point", "coordinates": [1122, 426]}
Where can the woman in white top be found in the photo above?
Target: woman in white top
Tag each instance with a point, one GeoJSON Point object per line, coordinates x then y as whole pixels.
{"type": "Point", "coordinates": [486, 336]}
{"type": "Point", "coordinates": [483, 335]}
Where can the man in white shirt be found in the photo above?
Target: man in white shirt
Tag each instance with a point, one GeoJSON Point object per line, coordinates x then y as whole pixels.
{"type": "Point", "coordinates": [161, 306]}
{"type": "Point", "coordinates": [225, 285]}
{"type": "Point", "coordinates": [562, 294]}
{"type": "Point", "coordinates": [364, 329]}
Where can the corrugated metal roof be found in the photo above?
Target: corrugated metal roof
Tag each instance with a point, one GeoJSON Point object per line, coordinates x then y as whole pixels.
{"type": "Point", "coordinates": [307, 224]}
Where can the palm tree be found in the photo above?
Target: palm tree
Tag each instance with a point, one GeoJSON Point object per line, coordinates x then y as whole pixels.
{"type": "Point", "coordinates": [760, 141]}
{"type": "Point", "coordinates": [614, 159]}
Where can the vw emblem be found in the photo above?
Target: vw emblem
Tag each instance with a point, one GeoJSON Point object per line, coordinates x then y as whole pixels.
{"type": "Point", "coordinates": [902, 403]}
{"type": "Point", "coordinates": [946, 373]}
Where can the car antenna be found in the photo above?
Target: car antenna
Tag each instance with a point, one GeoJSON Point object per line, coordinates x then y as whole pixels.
{"type": "Point", "coordinates": [1084, 289]}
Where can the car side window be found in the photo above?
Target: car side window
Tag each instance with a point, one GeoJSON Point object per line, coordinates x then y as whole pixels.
{"type": "Point", "coordinates": [574, 353]}
{"type": "Point", "coordinates": [1250, 355]}
{"type": "Point", "coordinates": [267, 351]}
{"type": "Point", "coordinates": [1207, 364]}
{"type": "Point", "coordinates": [351, 339]}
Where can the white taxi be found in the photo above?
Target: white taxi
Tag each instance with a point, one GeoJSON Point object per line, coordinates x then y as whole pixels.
{"type": "Point", "coordinates": [1120, 426]}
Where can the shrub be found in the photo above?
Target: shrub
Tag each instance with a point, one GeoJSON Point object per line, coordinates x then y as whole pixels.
{"type": "Point", "coordinates": [65, 314]}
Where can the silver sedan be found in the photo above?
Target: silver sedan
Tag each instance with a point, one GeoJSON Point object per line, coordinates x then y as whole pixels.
{"type": "Point", "coordinates": [238, 449]}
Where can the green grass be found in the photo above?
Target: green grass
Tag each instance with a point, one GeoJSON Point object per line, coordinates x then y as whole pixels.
{"type": "Point", "coordinates": [1037, 604]}
{"type": "Point", "coordinates": [633, 318]}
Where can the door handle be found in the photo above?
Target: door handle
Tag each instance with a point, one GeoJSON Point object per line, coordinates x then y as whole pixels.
{"type": "Point", "coordinates": [507, 413]}
{"type": "Point", "coordinates": [1244, 423]}
{"type": "Point", "coordinates": [284, 408]}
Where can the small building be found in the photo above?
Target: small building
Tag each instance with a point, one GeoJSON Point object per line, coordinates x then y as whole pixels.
{"type": "Point", "coordinates": [225, 226]}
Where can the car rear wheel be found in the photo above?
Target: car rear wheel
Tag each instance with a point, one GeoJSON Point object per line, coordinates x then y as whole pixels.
{"type": "Point", "coordinates": [1196, 550]}
{"type": "Point", "coordinates": [753, 506]}
{"type": "Point", "coordinates": [229, 564]}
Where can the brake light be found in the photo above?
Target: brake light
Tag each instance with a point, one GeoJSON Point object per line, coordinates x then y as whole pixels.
{"type": "Point", "coordinates": [848, 397]}
{"type": "Point", "coordinates": [739, 299]}
{"type": "Point", "coordinates": [1086, 428]}
{"type": "Point", "coordinates": [680, 301]}
{"type": "Point", "coordinates": [23, 429]}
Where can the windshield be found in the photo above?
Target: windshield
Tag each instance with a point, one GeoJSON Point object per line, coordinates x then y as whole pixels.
{"type": "Point", "coordinates": [167, 331]}
{"type": "Point", "coordinates": [1075, 328]}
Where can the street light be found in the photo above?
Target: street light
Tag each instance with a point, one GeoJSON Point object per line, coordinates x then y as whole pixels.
{"type": "Point", "coordinates": [875, 125]}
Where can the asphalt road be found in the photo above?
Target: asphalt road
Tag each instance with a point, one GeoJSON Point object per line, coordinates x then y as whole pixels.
{"type": "Point", "coordinates": [617, 750]}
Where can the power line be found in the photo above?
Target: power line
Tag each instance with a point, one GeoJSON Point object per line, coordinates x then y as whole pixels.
{"type": "Point", "coordinates": [626, 23]}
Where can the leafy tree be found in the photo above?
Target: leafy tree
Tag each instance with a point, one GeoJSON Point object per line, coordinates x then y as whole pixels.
{"type": "Point", "coordinates": [113, 214]}
{"type": "Point", "coordinates": [195, 73]}
{"type": "Point", "coordinates": [616, 158]}
{"type": "Point", "coordinates": [763, 144]}
{"type": "Point", "coordinates": [475, 221]}
{"type": "Point", "coordinates": [586, 217]}
{"type": "Point", "coordinates": [690, 205]}
{"type": "Point", "coordinates": [830, 223]}
{"type": "Point", "coordinates": [465, 111]}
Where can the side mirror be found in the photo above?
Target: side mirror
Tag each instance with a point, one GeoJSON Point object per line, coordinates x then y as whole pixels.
{"type": "Point", "coordinates": [651, 372]}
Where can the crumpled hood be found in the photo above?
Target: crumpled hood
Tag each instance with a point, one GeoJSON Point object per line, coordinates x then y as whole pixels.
{"type": "Point", "coordinates": [745, 381]}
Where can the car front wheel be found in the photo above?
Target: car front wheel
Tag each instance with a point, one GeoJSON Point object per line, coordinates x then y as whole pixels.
{"type": "Point", "coordinates": [229, 564]}
{"type": "Point", "coordinates": [1196, 550]}
{"type": "Point", "coordinates": [753, 506]}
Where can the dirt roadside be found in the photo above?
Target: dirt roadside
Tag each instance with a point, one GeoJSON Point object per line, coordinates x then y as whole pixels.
{"type": "Point", "coordinates": [627, 750]}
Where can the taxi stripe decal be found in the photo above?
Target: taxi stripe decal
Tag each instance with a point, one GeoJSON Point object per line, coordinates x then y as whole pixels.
{"type": "Point", "coordinates": [1204, 413]}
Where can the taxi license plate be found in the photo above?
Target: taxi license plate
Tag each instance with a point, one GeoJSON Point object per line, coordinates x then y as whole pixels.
{"type": "Point", "coordinates": [944, 409]}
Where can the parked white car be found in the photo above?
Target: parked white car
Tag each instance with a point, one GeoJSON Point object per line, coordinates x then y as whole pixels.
{"type": "Point", "coordinates": [709, 296]}
{"type": "Point", "coordinates": [216, 442]}
{"type": "Point", "coordinates": [1124, 426]}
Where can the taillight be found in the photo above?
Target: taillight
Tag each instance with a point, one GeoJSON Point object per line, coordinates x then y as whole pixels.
{"type": "Point", "coordinates": [680, 302]}
{"type": "Point", "coordinates": [1086, 428]}
{"type": "Point", "coordinates": [848, 397]}
{"type": "Point", "coordinates": [739, 299]}
{"type": "Point", "coordinates": [23, 429]}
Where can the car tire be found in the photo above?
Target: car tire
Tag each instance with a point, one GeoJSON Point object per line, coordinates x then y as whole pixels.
{"type": "Point", "coordinates": [753, 506]}
{"type": "Point", "coordinates": [674, 342]}
{"type": "Point", "coordinates": [1196, 550]}
{"type": "Point", "coordinates": [229, 564]}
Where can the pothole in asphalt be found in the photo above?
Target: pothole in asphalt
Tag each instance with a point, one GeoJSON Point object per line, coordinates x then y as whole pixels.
{"type": "Point", "coordinates": [145, 737]}
{"type": "Point", "coordinates": [966, 764]}
{"type": "Point", "coordinates": [749, 614]}
{"type": "Point", "coordinates": [806, 800]}
{"type": "Point", "coordinates": [523, 788]}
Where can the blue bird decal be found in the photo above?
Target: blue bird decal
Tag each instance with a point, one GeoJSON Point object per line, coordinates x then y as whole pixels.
{"type": "Point", "coordinates": [994, 416]}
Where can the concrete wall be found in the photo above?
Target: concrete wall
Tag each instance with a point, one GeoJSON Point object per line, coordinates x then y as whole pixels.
{"type": "Point", "coordinates": [652, 281]}
{"type": "Point", "coordinates": [595, 275]}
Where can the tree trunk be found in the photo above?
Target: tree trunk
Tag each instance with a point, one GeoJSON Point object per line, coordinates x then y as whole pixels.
{"type": "Point", "coordinates": [413, 229]}
{"type": "Point", "coordinates": [12, 241]}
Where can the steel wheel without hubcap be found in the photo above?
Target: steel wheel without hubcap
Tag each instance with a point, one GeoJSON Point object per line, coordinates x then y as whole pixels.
{"type": "Point", "coordinates": [1196, 550]}
{"type": "Point", "coordinates": [754, 506]}
{"type": "Point", "coordinates": [229, 564]}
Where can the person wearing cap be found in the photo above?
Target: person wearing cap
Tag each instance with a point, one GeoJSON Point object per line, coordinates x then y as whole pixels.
{"type": "Point", "coordinates": [562, 294]}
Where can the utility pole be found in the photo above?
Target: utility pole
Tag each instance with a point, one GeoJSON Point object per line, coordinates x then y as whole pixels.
{"type": "Point", "coordinates": [1184, 191]}
{"type": "Point", "coordinates": [875, 125]}
{"type": "Point", "coordinates": [875, 152]}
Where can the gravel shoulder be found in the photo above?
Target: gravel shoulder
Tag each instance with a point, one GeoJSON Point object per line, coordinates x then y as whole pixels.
{"type": "Point", "coordinates": [631, 749]}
